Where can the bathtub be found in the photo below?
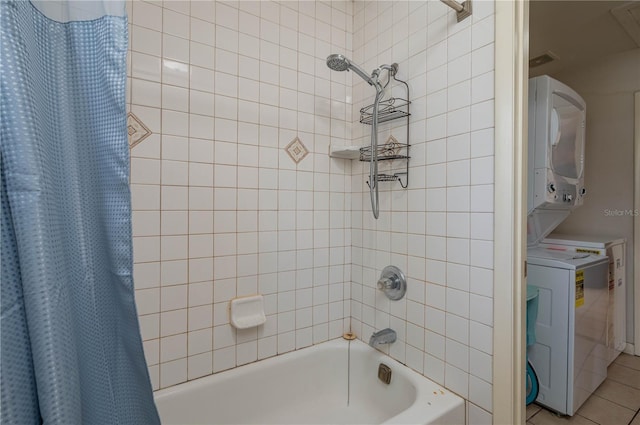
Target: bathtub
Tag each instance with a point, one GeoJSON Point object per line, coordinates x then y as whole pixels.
{"type": "Point", "coordinates": [335, 382]}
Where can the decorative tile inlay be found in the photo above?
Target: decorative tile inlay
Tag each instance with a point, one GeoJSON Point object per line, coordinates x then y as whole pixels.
{"type": "Point", "coordinates": [296, 150]}
{"type": "Point", "coordinates": [390, 147]}
{"type": "Point", "coordinates": [136, 129]}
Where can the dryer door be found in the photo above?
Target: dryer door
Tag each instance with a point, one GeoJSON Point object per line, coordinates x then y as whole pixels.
{"type": "Point", "coordinates": [566, 138]}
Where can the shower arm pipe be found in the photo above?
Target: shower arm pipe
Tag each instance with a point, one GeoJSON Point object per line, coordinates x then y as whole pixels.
{"type": "Point", "coordinates": [463, 10]}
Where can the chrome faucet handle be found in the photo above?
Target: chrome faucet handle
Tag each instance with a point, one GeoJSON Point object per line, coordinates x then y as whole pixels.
{"type": "Point", "coordinates": [388, 283]}
{"type": "Point", "coordinates": [392, 282]}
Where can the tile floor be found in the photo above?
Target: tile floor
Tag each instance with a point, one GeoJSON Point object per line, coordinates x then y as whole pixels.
{"type": "Point", "coordinates": [615, 402]}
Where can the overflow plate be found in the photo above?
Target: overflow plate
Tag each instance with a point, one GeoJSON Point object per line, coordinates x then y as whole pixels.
{"type": "Point", "coordinates": [384, 373]}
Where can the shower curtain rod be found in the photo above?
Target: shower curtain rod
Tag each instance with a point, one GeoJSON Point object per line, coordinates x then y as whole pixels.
{"type": "Point", "coordinates": [462, 10]}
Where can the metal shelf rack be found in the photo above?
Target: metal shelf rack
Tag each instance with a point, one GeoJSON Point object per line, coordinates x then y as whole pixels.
{"type": "Point", "coordinates": [390, 109]}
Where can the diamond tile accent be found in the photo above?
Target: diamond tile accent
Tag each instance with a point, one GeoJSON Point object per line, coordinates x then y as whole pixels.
{"type": "Point", "coordinates": [296, 150]}
{"type": "Point", "coordinates": [390, 147]}
{"type": "Point", "coordinates": [136, 129]}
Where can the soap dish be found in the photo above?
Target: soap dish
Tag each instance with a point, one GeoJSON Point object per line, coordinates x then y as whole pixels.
{"type": "Point", "coordinates": [247, 312]}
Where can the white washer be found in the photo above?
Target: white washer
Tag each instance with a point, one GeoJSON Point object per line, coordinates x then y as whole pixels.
{"type": "Point", "coordinates": [614, 248]}
{"type": "Point", "coordinates": [570, 354]}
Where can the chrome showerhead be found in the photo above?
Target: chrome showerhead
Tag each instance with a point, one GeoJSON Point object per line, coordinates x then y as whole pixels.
{"type": "Point", "coordinates": [338, 62]}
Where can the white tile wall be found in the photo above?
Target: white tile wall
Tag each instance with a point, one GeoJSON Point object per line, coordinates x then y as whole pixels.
{"type": "Point", "coordinates": [221, 210]}
{"type": "Point", "coordinates": [440, 229]}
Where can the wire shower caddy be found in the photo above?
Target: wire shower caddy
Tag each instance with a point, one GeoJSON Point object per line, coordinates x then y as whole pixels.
{"type": "Point", "coordinates": [390, 109]}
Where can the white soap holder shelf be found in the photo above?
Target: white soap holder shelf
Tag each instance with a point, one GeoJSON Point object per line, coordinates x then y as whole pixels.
{"type": "Point", "coordinates": [344, 152]}
{"type": "Point", "coordinates": [247, 312]}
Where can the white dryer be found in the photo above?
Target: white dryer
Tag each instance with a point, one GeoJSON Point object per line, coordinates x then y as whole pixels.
{"type": "Point", "coordinates": [556, 138]}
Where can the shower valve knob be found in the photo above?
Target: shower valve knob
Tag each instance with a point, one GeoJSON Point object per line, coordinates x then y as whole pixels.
{"type": "Point", "coordinates": [551, 188]}
{"type": "Point", "coordinates": [387, 283]}
{"type": "Point", "coordinates": [393, 283]}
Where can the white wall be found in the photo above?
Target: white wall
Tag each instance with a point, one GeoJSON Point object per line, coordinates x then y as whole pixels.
{"type": "Point", "coordinates": [439, 231]}
{"type": "Point", "coordinates": [608, 86]}
{"type": "Point", "coordinates": [219, 208]}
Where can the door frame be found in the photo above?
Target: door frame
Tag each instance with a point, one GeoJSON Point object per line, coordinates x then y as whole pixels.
{"type": "Point", "coordinates": [636, 228]}
{"type": "Point", "coordinates": [511, 87]}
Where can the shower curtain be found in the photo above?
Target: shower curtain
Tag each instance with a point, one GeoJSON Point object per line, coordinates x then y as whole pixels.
{"type": "Point", "coordinates": [70, 345]}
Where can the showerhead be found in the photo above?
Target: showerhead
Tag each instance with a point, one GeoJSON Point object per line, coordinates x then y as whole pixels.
{"type": "Point", "coordinates": [338, 62]}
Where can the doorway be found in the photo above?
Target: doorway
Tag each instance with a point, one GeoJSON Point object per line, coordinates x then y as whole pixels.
{"type": "Point", "coordinates": [512, 73]}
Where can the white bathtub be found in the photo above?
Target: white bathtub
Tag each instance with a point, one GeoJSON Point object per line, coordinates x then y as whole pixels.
{"type": "Point", "coordinates": [313, 386]}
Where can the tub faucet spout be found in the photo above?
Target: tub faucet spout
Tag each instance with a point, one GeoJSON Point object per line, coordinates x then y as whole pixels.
{"type": "Point", "coordinates": [385, 336]}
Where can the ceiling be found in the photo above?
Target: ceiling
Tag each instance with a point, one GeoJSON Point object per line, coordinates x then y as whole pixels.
{"type": "Point", "coordinates": [579, 32]}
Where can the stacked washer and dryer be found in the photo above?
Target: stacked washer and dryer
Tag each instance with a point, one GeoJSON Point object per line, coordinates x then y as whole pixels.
{"type": "Point", "coordinates": [570, 355]}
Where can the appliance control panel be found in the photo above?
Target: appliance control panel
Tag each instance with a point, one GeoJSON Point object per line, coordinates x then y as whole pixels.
{"type": "Point", "coordinates": [557, 192]}
{"type": "Point", "coordinates": [565, 194]}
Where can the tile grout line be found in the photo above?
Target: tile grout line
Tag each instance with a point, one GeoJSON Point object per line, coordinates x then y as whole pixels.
{"type": "Point", "coordinates": [623, 383]}
{"type": "Point", "coordinates": [612, 401]}
{"type": "Point", "coordinates": [588, 419]}
{"type": "Point", "coordinates": [540, 409]}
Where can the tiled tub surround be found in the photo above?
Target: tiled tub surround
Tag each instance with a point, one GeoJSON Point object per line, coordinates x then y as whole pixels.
{"type": "Point", "coordinates": [440, 230]}
{"type": "Point", "coordinates": [221, 209]}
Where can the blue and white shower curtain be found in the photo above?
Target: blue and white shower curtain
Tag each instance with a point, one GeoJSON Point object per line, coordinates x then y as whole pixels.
{"type": "Point", "coordinates": [71, 351]}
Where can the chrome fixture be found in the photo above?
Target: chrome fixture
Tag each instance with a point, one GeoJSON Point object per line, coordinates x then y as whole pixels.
{"type": "Point", "coordinates": [385, 336]}
{"type": "Point", "coordinates": [463, 10]}
{"type": "Point", "coordinates": [393, 283]}
{"type": "Point", "coordinates": [338, 62]}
